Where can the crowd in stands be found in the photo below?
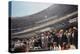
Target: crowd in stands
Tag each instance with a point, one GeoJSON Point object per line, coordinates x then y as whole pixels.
{"type": "Point", "coordinates": [63, 39]}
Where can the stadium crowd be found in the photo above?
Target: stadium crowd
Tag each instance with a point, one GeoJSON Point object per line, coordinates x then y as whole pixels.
{"type": "Point", "coordinates": [63, 39]}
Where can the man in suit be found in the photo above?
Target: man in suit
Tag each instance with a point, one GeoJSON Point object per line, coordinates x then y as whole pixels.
{"type": "Point", "coordinates": [75, 37]}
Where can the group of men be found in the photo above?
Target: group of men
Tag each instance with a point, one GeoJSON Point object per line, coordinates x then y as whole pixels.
{"type": "Point", "coordinates": [62, 39]}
